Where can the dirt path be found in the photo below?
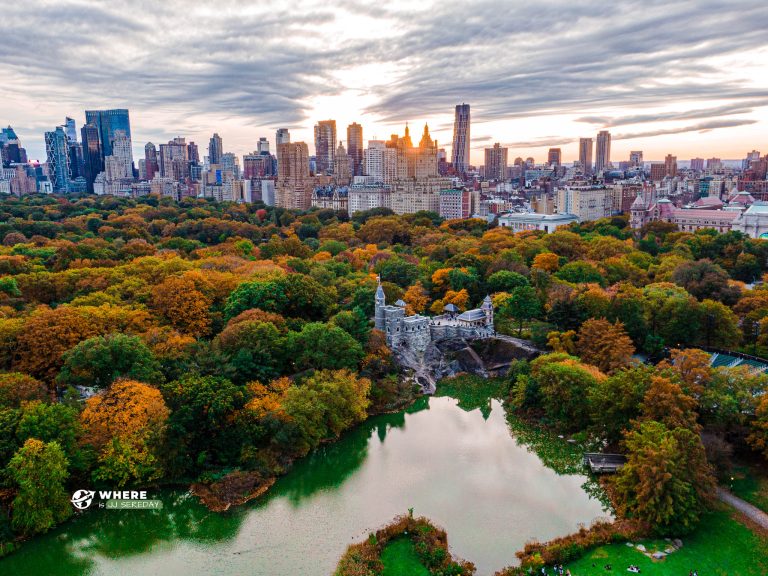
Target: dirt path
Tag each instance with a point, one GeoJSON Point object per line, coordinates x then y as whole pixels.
{"type": "Point", "coordinates": [753, 513]}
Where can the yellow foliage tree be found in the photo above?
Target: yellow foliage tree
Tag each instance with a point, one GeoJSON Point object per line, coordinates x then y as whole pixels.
{"type": "Point", "coordinates": [416, 298]}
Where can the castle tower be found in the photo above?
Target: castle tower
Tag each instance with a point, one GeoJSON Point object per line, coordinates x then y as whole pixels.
{"type": "Point", "coordinates": [379, 319]}
{"type": "Point", "coordinates": [487, 307]}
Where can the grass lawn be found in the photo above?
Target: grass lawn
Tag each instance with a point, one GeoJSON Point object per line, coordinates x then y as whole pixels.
{"type": "Point", "coordinates": [721, 546]}
{"type": "Point", "coordinates": [750, 483]}
{"type": "Point", "coordinates": [400, 559]}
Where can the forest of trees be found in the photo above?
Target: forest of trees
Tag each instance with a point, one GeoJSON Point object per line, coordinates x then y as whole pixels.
{"type": "Point", "coordinates": [220, 337]}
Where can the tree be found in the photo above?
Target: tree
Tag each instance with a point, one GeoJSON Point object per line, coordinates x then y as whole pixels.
{"type": "Point", "coordinates": [580, 272]}
{"type": "Point", "coordinates": [40, 470]}
{"type": "Point", "coordinates": [128, 410]}
{"type": "Point", "coordinates": [327, 403]}
{"type": "Point", "coordinates": [416, 298]}
{"type": "Point", "coordinates": [666, 481]}
{"type": "Point", "coordinates": [506, 281]}
{"type": "Point", "coordinates": [16, 388]}
{"type": "Point", "coordinates": [320, 346]}
{"type": "Point", "coordinates": [185, 307]}
{"type": "Point", "coordinates": [522, 305]}
{"type": "Point", "coordinates": [615, 401]}
{"type": "Point", "coordinates": [691, 367]}
{"type": "Point", "coordinates": [665, 402]}
{"type": "Point", "coordinates": [720, 325]}
{"type": "Point", "coordinates": [604, 345]}
{"type": "Point", "coordinates": [758, 437]}
{"type": "Point", "coordinates": [729, 396]}
{"type": "Point", "coordinates": [398, 271]}
{"type": "Point", "coordinates": [99, 361]}
{"type": "Point", "coordinates": [254, 350]}
{"type": "Point", "coordinates": [547, 261]}
{"type": "Point", "coordinates": [703, 279]}
{"type": "Point", "coordinates": [292, 295]}
{"type": "Point", "coordinates": [565, 385]}
{"type": "Point", "coordinates": [353, 322]}
{"type": "Point", "coordinates": [52, 423]}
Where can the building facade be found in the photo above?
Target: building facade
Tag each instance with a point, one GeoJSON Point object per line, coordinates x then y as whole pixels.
{"type": "Point", "coordinates": [461, 139]}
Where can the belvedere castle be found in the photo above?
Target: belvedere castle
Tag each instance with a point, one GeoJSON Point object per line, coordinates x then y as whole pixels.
{"type": "Point", "coordinates": [417, 331]}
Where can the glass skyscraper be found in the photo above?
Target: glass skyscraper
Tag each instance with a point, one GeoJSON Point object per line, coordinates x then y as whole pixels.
{"type": "Point", "coordinates": [108, 122]}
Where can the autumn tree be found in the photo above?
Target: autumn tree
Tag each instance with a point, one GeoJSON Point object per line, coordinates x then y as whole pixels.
{"type": "Point", "coordinates": [16, 388]}
{"type": "Point", "coordinates": [39, 470]}
{"type": "Point", "coordinates": [691, 367]}
{"type": "Point", "coordinates": [100, 360]}
{"type": "Point", "coordinates": [604, 345]}
{"type": "Point", "coordinates": [666, 402]}
{"type": "Point", "coordinates": [185, 307]}
{"type": "Point", "coordinates": [758, 436]}
{"type": "Point", "coordinates": [666, 481]}
{"type": "Point", "coordinates": [614, 402]}
{"type": "Point", "coordinates": [547, 261]}
{"type": "Point", "coordinates": [416, 298]}
{"type": "Point", "coordinates": [565, 385]}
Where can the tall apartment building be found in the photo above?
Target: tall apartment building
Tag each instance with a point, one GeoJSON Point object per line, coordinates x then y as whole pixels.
{"type": "Point", "coordinates": [342, 168]}
{"type": "Point", "coordinates": [380, 162]}
{"type": "Point", "coordinates": [151, 165]}
{"type": "Point", "coordinates": [697, 164]}
{"type": "Point", "coordinates": [496, 163]}
{"type": "Point", "coordinates": [93, 159]}
{"type": "Point", "coordinates": [455, 203]}
{"type": "Point", "coordinates": [658, 171]}
{"type": "Point", "coordinates": [461, 139]}
{"type": "Point", "coordinates": [603, 151]}
{"type": "Point", "coordinates": [282, 136]}
{"type": "Point", "coordinates": [325, 142]}
{"type": "Point", "coordinates": [355, 147]}
{"type": "Point", "coordinates": [585, 154]}
{"type": "Point", "coordinates": [670, 165]}
{"type": "Point", "coordinates": [174, 159]}
{"type": "Point", "coordinates": [294, 185]}
{"type": "Point", "coordinates": [585, 202]}
{"type": "Point", "coordinates": [636, 158]}
{"type": "Point", "coordinates": [554, 157]}
{"type": "Point", "coordinates": [215, 149]}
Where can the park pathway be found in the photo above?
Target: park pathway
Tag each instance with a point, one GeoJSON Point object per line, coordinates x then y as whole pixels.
{"type": "Point", "coordinates": [751, 512]}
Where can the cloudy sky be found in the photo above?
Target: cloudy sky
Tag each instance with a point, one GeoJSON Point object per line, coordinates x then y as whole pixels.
{"type": "Point", "coordinates": [688, 78]}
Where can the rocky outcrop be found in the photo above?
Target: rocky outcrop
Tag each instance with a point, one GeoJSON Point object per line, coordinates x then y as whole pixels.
{"type": "Point", "coordinates": [484, 357]}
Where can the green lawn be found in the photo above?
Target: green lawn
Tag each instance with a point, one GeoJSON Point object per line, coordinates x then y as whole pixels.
{"type": "Point", "coordinates": [750, 483]}
{"type": "Point", "coordinates": [400, 559]}
{"type": "Point", "coordinates": [721, 546]}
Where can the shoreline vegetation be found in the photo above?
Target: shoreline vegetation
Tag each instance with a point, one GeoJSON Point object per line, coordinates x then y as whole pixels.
{"type": "Point", "coordinates": [217, 343]}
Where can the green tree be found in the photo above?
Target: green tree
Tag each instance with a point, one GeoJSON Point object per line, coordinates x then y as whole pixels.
{"type": "Point", "coordinates": [580, 272]}
{"type": "Point", "coordinates": [293, 295]}
{"type": "Point", "coordinates": [506, 281]}
{"type": "Point", "coordinates": [353, 322]}
{"type": "Point", "coordinates": [522, 305]}
{"type": "Point", "coordinates": [326, 403]}
{"type": "Point", "coordinates": [101, 360]}
{"type": "Point", "coordinates": [666, 481]}
{"type": "Point", "coordinates": [40, 470]}
{"type": "Point", "coordinates": [615, 401]}
{"type": "Point", "coordinates": [320, 346]}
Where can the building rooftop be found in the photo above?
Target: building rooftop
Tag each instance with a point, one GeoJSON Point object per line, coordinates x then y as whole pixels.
{"type": "Point", "coordinates": [472, 315]}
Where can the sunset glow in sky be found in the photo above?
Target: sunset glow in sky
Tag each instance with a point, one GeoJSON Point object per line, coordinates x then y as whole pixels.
{"type": "Point", "coordinates": [687, 78]}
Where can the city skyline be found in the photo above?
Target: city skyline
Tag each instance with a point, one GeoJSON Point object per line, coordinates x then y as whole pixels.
{"type": "Point", "coordinates": [688, 90]}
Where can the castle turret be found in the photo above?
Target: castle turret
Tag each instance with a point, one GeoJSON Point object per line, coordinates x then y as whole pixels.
{"type": "Point", "coordinates": [379, 318]}
{"type": "Point", "coordinates": [487, 307]}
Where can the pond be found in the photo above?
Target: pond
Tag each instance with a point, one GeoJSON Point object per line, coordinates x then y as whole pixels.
{"type": "Point", "coordinates": [462, 469]}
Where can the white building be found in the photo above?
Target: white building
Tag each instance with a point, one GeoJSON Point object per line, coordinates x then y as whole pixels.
{"type": "Point", "coordinates": [380, 162]}
{"type": "Point", "coordinates": [518, 222]}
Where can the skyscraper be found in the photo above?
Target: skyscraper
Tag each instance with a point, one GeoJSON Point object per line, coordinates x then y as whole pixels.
{"type": "Point", "coordinates": [215, 150]}
{"type": "Point", "coordinates": [380, 162]}
{"type": "Point", "coordinates": [294, 188]}
{"type": "Point", "coordinates": [636, 158]}
{"type": "Point", "coordinates": [174, 159]}
{"type": "Point", "coordinates": [697, 164]}
{"type": "Point", "coordinates": [496, 163]}
{"type": "Point", "coordinates": [70, 129]}
{"type": "Point", "coordinates": [342, 169]}
{"type": "Point", "coordinates": [585, 154]}
{"type": "Point", "coordinates": [355, 147]}
{"type": "Point", "coordinates": [554, 157]}
{"type": "Point", "coordinates": [57, 150]}
{"type": "Point", "coordinates": [460, 151]}
{"type": "Point", "coordinates": [263, 146]}
{"type": "Point", "coordinates": [325, 141]}
{"type": "Point", "coordinates": [93, 159]}
{"type": "Point", "coordinates": [282, 136]}
{"type": "Point", "coordinates": [603, 151]}
{"type": "Point", "coordinates": [108, 122]}
{"type": "Point", "coordinates": [121, 152]}
{"type": "Point", "coordinates": [150, 160]}
{"type": "Point", "coordinates": [670, 165]}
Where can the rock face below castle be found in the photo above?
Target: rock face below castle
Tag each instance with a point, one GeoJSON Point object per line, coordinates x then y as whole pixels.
{"type": "Point", "coordinates": [416, 332]}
